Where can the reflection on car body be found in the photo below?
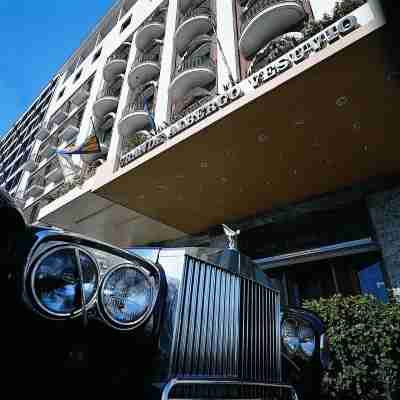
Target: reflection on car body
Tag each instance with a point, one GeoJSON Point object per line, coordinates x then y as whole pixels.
{"type": "Point", "coordinates": [151, 323]}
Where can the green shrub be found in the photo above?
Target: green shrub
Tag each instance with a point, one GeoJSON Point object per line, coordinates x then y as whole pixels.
{"type": "Point", "coordinates": [364, 335]}
{"type": "Point", "coordinates": [345, 7]}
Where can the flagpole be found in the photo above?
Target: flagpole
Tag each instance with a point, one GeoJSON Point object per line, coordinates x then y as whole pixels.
{"type": "Point", "coordinates": [94, 130]}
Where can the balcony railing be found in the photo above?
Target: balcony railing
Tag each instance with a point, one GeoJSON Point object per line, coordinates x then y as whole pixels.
{"type": "Point", "coordinates": [195, 62]}
{"type": "Point", "coordinates": [36, 186]}
{"type": "Point", "coordinates": [158, 17]}
{"type": "Point", "coordinates": [119, 55]}
{"type": "Point", "coordinates": [61, 189]}
{"type": "Point", "coordinates": [177, 115]}
{"type": "Point", "coordinates": [82, 94]}
{"type": "Point", "coordinates": [259, 6]}
{"type": "Point", "coordinates": [136, 106]}
{"type": "Point", "coordinates": [275, 49]}
{"type": "Point", "coordinates": [52, 165]}
{"type": "Point", "coordinates": [151, 56]}
{"type": "Point", "coordinates": [62, 113]}
{"type": "Point", "coordinates": [109, 92]}
{"type": "Point", "coordinates": [43, 132]}
{"type": "Point", "coordinates": [53, 171]}
{"type": "Point", "coordinates": [71, 127]}
{"type": "Point", "coordinates": [195, 12]}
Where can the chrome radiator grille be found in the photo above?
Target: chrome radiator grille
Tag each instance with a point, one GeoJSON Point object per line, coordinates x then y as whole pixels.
{"type": "Point", "coordinates": [227, 326]}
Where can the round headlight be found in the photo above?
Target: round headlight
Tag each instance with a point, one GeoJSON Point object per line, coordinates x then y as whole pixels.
{"type": "Point", "coordinates": [307, 340]}
{"type": "Point", "coordinates": [127, 296]}
{"type": "Point", "coordinates": [290, 336]}
{"type": "Point", "coordinates": [298, 338]}
{"type": "Point", "coordinates": [56, 282]}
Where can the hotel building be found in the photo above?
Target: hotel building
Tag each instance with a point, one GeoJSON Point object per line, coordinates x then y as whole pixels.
{"type": "Point", "coordinates": [275, 117]}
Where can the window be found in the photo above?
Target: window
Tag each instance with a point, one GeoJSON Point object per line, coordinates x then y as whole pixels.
{"type": "Point", "coordinates": [348, 275]}
{"type": "Point", "coordinates": [78, 75]}
{"type": "Point", "coordinates": [61, 94]}
{"type": "Point", "coordinates": [126, 23]}
{"type": "Point", "coordinates": [97, 55]}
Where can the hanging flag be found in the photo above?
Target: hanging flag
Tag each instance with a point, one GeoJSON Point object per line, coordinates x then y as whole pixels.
{"type": "Point", "coordinates": [151, 116]}
{"type": "Point", "coordinates": [90, 146]}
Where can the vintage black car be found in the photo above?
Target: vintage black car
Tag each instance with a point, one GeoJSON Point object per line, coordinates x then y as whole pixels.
{"type": "Point", "coordinates": [82, 318]}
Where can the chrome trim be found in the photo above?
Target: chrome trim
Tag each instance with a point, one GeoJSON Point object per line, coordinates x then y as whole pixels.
{"type": "Point", "coordinates": [37, 263]}
{"type": "Point", "coordinates": [107, 317]}
{"type": "Point", "coordinates": [175, 382]}
{"type": "Point", "coordinates": [84, 308]}
{"type": "Point", "coordinates": [340, 249]}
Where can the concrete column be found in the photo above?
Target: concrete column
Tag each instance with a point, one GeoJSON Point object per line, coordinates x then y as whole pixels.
{"type": "Point", "coordinates": [385, 214]}
{"type": "Point", "coordinates": [167, 63]}
{"type": "Point", "coordinates": [116, 140]}
{"type": "Point", "coordinates": [141, 11]}
{"type": "Point", "coordinates": [227, 32]}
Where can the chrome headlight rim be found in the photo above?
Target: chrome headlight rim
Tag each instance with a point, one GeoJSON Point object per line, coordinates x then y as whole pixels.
{"type": "Point", "coordinates": [298, 351]}
{"type": "Point", "coordinates": [109, 319]}
{"type": "Point", "coordinates": [41, 308]}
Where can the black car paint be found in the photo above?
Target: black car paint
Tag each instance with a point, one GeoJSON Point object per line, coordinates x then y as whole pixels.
{"type": "Point", "coordinates": [94, 360]}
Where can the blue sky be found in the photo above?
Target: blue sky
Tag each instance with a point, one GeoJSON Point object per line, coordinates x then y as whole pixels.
{"type": "Point", "coordinates": [36, 37]}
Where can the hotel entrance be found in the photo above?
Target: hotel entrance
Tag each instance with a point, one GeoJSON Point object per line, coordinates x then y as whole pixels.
{"type": "Point", "coordinates": [319, 253]}
{"type": "Point", "coordinates": [349, 275]}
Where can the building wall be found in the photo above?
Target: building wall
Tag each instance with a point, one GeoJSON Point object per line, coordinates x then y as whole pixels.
{"type": "Point", "coordinates": [385, 213]}
{"type": "Point", "coordinates": [87, 66]}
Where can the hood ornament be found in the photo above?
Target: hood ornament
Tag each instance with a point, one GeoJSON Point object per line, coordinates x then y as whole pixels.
{"type": "Point", "coordinates": [232, 237]}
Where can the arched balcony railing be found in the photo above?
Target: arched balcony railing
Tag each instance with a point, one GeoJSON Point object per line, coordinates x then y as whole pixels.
{"type": "Point", "coordinates": [264, 20]}
{"type": "Point", "coordinates": [138, 113]}
{"type": "Point", "coordinates": [275, 49]}
{"type": "Point", "coordinates": [146, 67]}
{"type": "Point", "coordinates": [194, 62]}
{"type": "Point", "coordinates": [194, 22]}
{"type": "Point", "coordinates": [153, 28]}
{"type": "Point", "coordinates": [116, 63]}
{"type": "Point", "coordinates": [193, 104]}
{"type": "Point", "coordinates": [107, 100]}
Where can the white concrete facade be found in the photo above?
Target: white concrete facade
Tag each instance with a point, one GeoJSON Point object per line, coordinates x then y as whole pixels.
{"type": "Point", "coordinates": [228, 61]}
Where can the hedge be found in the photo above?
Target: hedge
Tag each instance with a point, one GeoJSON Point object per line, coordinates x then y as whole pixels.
{"type": "Point", "coordinates": [364, 336]}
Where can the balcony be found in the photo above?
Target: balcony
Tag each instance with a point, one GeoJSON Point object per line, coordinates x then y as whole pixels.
{"type": "Point", "coordinates": [131, 141]}
{"type": "Point", "coordinates": [115, 65]}
{"type": "Point", "coordinates": [61, 114]}
{"type": "Point", "coordinates": [30, 165]}
{"type": "Point", "coordinates": [153, 28]}
{"type": "Point", "coordinates": [275, 49]}
{"type": "Point", "coordinates": [193, 104]}
{"type": "Point", "coordinates": [48, 149]}
{"type": "Point", "coordinates": [191, 73]}
{"type": "Point", "coordinates": [107, 101]}
{"type": "Point", "coordinates": [134, 118]}
{"type": "Point", "coordinates": [71, 131]}
{"type": "Point", "coordinates": [193, 23]}
{"type": "Point", "coordinates": [43, 132]}
{"type": "Point", "coordinates": [264, 20]}
{"type": "Point", "coordinates": [53, 172]}
{"type": "Point", "coordinates": [81, 95]}
{"type": "Point", "coordinates": [185, 4]}
{"type": "Point", "coordinates": [36, 187]}
{"type": "Point", "coordinates": [145, 68]}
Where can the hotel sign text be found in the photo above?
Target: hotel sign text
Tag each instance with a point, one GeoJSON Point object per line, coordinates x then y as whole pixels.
{"type": "Point", "coordinates": [300, 53]}
{"type": "Point", "coordinates": [296, 56]}
{"type": "Point", "coordinates": [202, 112]}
